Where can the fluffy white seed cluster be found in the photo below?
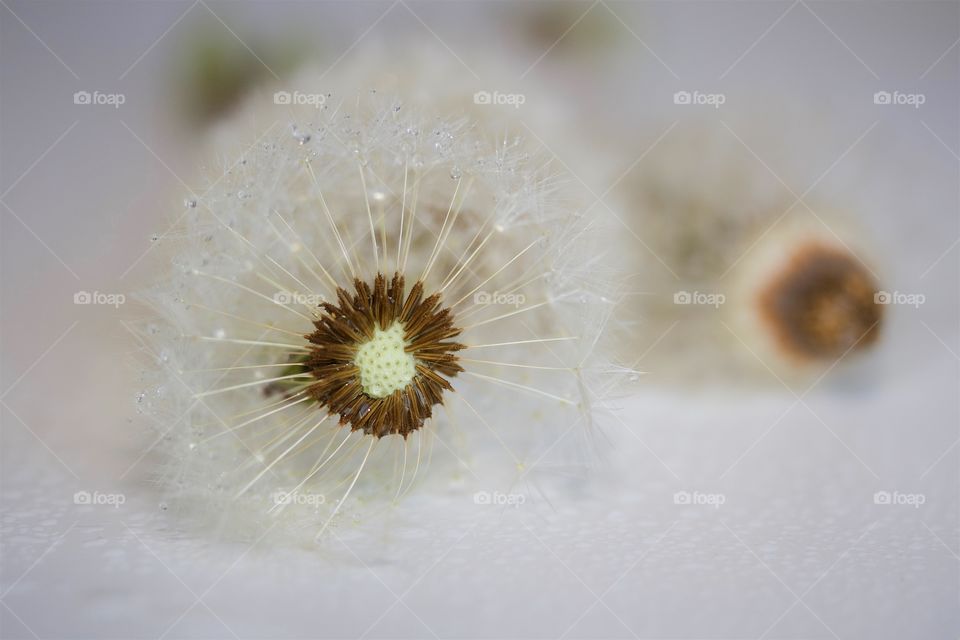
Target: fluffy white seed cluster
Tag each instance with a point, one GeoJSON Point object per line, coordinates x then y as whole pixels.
{"type": "Point", "coordinates": [305, 200]}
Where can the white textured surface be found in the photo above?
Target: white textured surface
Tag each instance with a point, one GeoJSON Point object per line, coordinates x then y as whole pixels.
{"type": "Point", "coordinates": [798, 522]}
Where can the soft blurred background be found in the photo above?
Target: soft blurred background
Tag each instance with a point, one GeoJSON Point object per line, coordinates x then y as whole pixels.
{"type": "Point", "coordinates": [737, 504]}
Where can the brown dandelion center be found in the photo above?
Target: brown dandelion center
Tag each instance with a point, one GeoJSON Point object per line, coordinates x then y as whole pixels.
{"type": "Point", "coordinates": [822, 304]}
{"type": "Point", "coordinates": [381, 360]}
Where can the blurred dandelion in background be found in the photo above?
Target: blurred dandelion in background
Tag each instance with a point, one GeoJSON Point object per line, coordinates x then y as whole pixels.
{"type": "Point", "coordinates": [751, 279]}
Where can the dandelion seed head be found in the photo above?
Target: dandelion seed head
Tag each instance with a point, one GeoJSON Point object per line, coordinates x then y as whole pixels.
{"type": "Point", "coordinates": [388, 272]}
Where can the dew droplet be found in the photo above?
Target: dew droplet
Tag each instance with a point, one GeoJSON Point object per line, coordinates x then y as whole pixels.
{"type": "Point", "coordinates": [301, 137]}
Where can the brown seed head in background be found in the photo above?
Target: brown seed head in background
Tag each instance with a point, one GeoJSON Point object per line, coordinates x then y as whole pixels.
{"type": "Point", "coordinates": [822, 304]}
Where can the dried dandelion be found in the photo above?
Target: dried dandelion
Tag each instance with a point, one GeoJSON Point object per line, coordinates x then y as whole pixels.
{"type": "Point", "coordinates": [734, 272]}
{"type": "Point", "coordinates": [360, 278]}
